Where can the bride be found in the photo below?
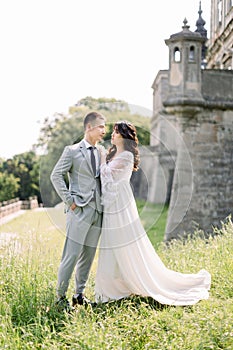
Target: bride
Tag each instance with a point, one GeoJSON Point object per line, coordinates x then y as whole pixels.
{"type": "Point", "coordinates": [128, 264]}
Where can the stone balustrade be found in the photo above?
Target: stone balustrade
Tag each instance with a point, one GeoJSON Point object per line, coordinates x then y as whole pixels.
{"type": "Point", "coordinates": [13, 205]}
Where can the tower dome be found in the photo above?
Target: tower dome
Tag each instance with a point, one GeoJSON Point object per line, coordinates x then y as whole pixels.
{"type": "Point", "coordinates": [200, 23]}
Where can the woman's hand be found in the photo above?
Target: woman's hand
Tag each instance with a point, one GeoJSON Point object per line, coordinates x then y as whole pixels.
{"type": "Point", "coordinates": [103, 153]}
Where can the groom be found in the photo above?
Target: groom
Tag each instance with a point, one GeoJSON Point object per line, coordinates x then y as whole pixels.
{"type": "Point", "coordinates": [81, 162]}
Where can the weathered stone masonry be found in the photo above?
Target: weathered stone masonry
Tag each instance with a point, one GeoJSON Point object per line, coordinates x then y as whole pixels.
{"type": "Point", "coordinates": [191, 153]}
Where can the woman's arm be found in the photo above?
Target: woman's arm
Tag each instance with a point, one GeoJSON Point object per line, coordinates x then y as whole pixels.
{"type": "Point", "coordinates": [103, 153]}
{"type": "Point", "coordinates": [116, 166]}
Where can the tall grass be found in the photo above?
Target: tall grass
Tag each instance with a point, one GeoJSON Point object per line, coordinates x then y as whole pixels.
{"type": "Point", "coordinates": [29, 319]}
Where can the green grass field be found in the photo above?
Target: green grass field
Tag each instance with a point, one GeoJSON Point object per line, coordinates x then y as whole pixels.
{"type": "Point", "coordinates": [29, 319]}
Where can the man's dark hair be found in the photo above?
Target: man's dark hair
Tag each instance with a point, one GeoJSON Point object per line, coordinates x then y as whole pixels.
{"type": "Point", "coordinates": [90, 117]}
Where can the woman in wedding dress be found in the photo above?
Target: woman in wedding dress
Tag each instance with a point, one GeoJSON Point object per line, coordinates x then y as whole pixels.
{"type": "Point", "coordinates": [128, 264]}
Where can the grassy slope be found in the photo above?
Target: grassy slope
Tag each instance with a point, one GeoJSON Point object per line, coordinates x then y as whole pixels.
{"type": "Point", "coordinates": [28, 319]}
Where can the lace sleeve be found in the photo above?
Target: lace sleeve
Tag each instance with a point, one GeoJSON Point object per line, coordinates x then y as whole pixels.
{"type": "Point", "coordinates": [114, 170]}
{"type": "Point", "coordinates": [113, 173]}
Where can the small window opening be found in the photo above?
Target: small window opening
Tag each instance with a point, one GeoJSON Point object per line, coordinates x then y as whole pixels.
{"type": "Point", "coordinates": [192, 53]}
{"type": "Point", "coordinates": [177, 55]}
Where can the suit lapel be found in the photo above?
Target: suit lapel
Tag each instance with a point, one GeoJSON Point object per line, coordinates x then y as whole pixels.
{"type": "Point", "coordinates": [85, 154]}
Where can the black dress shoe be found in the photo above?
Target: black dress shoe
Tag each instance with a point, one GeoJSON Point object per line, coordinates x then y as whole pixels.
{"type": "Point", "coordinates": [80, 299]}
{"type": "Point", "coordinates": [63, 304]}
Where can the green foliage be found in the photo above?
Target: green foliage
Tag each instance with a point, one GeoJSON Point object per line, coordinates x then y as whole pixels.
{"type": "Point", "coordinates": [24, 167]}
{"type": "Point", "coordinates": [64, 130]}
{"type": "Point", "coordinates": [102, 103]}
{"type": "Point", "coordinates": [29, 319]}
{"type": "Point", "coordinates": [9, 186]}
{"type": "Point", "coordinates": [33, 171]}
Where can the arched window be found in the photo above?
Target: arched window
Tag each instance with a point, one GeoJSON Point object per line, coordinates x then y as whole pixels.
{"type": "Point", "coordinates": [229, 5]}
{"type": "Point", "coordinates": [192, 53]}
{"type": "Point", "coordinates": [177, 55]}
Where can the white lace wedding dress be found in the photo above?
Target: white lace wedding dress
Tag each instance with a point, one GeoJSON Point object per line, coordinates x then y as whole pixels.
{"type": "Point", "coordinates": [128, 264]}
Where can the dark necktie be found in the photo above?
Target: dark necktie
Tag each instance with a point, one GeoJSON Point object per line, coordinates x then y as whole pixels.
{"type": "Point", "coordinates": [93, 161]}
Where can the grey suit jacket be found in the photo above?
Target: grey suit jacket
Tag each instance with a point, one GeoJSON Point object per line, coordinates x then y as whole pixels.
{"type": "Point", "coordinates": [83, 184]}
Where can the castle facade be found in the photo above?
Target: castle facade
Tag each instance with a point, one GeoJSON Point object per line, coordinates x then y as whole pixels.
{"type": "Point", "coordinates": [189, 165]}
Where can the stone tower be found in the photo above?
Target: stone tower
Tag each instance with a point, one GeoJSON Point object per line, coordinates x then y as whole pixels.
{"type": "Point", "coordinates": [191, 135]}
{"type": "Point", "coordinates": [185, 56]}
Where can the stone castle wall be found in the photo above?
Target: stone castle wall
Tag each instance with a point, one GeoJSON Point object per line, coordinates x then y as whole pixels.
{"type": "Point", "coordinates": [193, 174]}
{"type": "Point", "coordinates": [203, 180]}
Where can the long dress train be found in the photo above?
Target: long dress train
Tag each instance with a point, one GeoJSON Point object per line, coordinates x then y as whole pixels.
{"type": "Point", "coordinates": [128, 263]}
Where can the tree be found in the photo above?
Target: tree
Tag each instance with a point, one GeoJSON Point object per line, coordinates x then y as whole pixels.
{"type": "Point", "coordinates": [62, 130]}
{"type": "Point", "coordinates": [9, 186]}
{"type": "Point", "coordinates": [24, 167]}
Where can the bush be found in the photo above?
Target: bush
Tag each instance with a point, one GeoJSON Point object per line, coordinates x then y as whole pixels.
{"type": "Point", "coordinates": [9, 185]}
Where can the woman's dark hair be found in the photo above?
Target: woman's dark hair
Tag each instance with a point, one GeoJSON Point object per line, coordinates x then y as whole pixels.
{"type": "Point", "coordinates": [129, 134]}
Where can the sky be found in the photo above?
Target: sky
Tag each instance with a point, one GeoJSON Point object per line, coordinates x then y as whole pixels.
{"type": "Point", "coordinates": [55, 52]}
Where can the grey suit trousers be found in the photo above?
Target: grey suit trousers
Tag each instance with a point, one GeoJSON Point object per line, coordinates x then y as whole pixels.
{"type": "Point", "coordinates": [83, 231]}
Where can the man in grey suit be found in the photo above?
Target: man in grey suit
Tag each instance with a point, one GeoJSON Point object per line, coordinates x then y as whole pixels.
{"type": "Point", "coordinates": [81, 162]}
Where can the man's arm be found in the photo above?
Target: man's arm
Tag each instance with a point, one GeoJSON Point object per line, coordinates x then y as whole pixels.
{"type": "Point", "coordinates": [58, 174]}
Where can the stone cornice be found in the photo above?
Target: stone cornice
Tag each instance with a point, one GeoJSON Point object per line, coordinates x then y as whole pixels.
{"type": "Point", "coordinates": [193, 107]}
{"type": "Point", "coordinates": [218, 43]}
